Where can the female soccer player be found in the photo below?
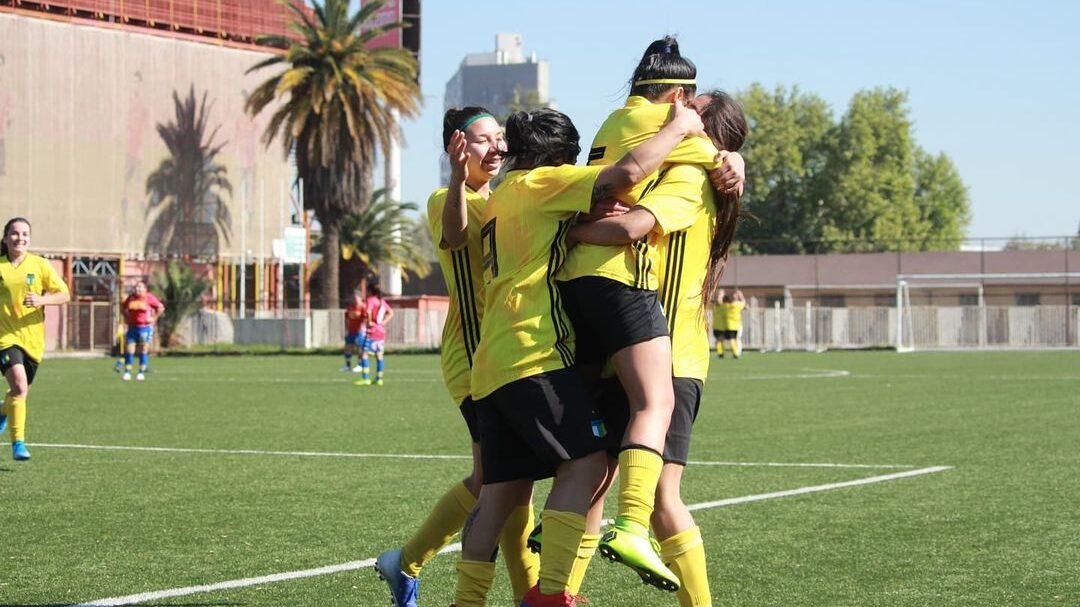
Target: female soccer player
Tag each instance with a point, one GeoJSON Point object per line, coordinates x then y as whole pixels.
{"type": "Point", "coordinates": [692, 252]}
{"type": "Point", "coordinates": [378, 313]}
{"type": "Point", "coordinates": [474, 143]}
{"type": "Point", "coordinates": [727, 321]}
{"type": "Point", "coordinates": [535, 416]}
{"type": "Point", "coordinates": [28, 283]}
{"type": "Point", "coordinates": [611, 298]}
{"type": "Point", "coordinates": [355, 331]}
{"type": "Point", "coordinates": [141, 309]}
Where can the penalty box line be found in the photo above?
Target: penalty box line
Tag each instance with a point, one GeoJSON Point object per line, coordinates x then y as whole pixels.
{"type": "Point", "coordinates": [135, 599]}
{"type": "Point", "coordinates": [420, 456]}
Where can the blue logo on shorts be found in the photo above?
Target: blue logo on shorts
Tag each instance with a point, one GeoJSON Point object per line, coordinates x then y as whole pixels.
{"type": "Point", "coordinates": [598, 428]}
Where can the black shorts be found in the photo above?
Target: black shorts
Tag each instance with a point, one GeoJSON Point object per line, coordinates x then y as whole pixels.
{"type": "Point", "coordinates": [615, 407]}
{"type": "Point", "coordinates": [609, 316]}
{"type": "Point", "coordinates": [725, 334]}
{"type": "Point", "coordinates": [468, 411]}
{"type": "Point", "coordinates": [530, 426]}
{"type": "Point", "coordinates": [14, 355]}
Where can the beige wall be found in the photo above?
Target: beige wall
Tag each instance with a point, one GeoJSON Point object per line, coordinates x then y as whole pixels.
{"type": "Point", "coordinates": [78, 109]}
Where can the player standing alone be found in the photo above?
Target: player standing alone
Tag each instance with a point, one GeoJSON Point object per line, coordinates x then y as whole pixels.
{"type": "Point", "coordinates": [28, 283]}
{"type": "Point", "coordinates": [141, 309]}
{"type": "Point", "coordinates": [727, 321]}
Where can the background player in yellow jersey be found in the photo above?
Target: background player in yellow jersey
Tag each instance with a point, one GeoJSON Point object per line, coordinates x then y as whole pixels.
{"type": "Point", "coordinates": [610, 290]}
{"type": "Point", "coordinates": [692, 252]}
{"type": "Point", "coordinates": [28, 283]}
{"type": "Point", "coordinates": [727, 322]}
{"type": "Point", "coordinates": [474, 143]}
{"type": "Point", "coordinates": [536, 418]}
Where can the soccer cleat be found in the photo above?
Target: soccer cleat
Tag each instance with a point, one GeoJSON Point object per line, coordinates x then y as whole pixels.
{"type": "Point", "coordinates": [140, 376]}
{"type": "Point", "coordinates": [357, 369]}
{"type": "Point", "coordinates": [19, 451]}
{"type": "Point", "coordinates": [628, 543]}
{"type": "Point", "coordinates": [536, 539]}
{"type": "Point", "coordinates": [362, 382]}
{"type": "Point", "coordinates": [345, 368]}
{"type": "Point", "coordinates": [378, 382]}
{"type": "Point", "coordinates": [126, 376]}
{"type": "Point", "coordinates": [3, 423]}
{"type": "Point", "coordinates": [119, 368]}
{"type": "Point", "coordinates": [404, 590]}
{"type": "Point", "coordinates": [534, 598]}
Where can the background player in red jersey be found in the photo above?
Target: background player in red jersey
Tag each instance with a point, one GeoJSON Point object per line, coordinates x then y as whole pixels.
{"type": "Point", "coordinates": [141, 309]}
{"type": "Point", "coordinates": [355, 331]}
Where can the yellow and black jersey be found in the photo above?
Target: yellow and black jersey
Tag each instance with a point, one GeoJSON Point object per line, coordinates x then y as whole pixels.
{"type": "Point", "coordinates": [524, 331]}
{"type": "Point", "coordinates": [683, 241]}
{"type": "Point", "coordinates": [635, 264]}
{"type": "Point", "coordinates": [21, 325]}
{"type": "Point", "coordinates": [464, 283]}
{"type": "Point", "coordinates": [728, 316]}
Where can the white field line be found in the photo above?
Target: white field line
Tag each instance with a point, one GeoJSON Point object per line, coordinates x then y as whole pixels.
{"type": "Point", "coordinates": [419, 456]}
{"type": "Point", "coordinates": [135, 599]}
{"type": "Point", "coordinates": [807, 374]}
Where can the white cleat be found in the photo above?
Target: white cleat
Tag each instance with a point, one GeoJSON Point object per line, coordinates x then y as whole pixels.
{"type": "Point", "coordinates": [126, 376]}
{"type": "Point", "coordinates": [140, 376]}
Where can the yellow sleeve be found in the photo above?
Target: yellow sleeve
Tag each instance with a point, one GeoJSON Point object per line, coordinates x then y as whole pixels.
{"type": "Point", "coordinates": [50, 279]}
{"type": "Point", "coordinates": [435, 205]}
{"type": "Point", "coordinates": [677, 200]}
{"type": "Point", "coordinates": [695, 150]}
{"type": "Point", "coordinates": [564, 189]}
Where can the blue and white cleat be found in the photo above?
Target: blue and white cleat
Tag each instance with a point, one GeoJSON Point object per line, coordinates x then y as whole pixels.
{"type": "Point", "coordinates": [19, 451]}
{"type": "Point", "coordinates": [404, 590]}
{"type": "Point", "coordinates": [3, 423]}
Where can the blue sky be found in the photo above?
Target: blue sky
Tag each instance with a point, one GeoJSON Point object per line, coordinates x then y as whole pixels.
{"type": "Point", "coordinates": [995, 85]}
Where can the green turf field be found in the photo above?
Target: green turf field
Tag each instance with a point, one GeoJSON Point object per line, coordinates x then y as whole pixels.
{"type": "Point", "coordinates": [210, 487]}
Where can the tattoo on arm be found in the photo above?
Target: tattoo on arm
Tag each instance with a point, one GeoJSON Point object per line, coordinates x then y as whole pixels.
{"type": "Point", "coordinates": [602, 191]}
{"type": "Point", "coordinates": [469, 521]}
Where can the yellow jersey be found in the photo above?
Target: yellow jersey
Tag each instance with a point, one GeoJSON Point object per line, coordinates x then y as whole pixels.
{"type": "Point", "coordinates": [634, 264]}
{"type": "Point", "coordinates": [21, 325]}
{"type": "Point", "coordinates": [464, 283]}
{"type": "Point", "coordinates": [684, 239]}
{"type": "Point", "coordinates": [524, 331]}
{"type": "Point", "coordinates": [728, 316]}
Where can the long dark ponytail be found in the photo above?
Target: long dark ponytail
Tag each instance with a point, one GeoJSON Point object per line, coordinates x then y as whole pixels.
{"type": "Point", "coordinates": [7, 228]}
{"type": "Point", "coordinates": [662, 61]}
{"type": "Point", "coordinates": [726, 125]}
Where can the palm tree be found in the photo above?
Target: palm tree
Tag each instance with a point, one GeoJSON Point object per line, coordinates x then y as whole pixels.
{"type": "Point", "coordinates": [186, 189]}
{"type": "Point", "coordinates": [340, 99]}
{"type": "Point", "coordinates": [181, 289]}
{"type": "Point", "coordinates": [385, 233]}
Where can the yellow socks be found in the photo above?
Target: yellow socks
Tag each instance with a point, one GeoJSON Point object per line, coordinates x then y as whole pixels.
{"type": "Point", "coordinates": [441, 525]}
{"type": "Point", "coordinates": [684, 554]}
{"type": "Point", "coordinates": [522, 565]}
{"type": "Point", "coordinates": [473, 583]}
{"type": "Point", "coordinates": [639, 472]}
{"type": "Point", "coordinates": [562, 538]}
{"type": "Point", "coordinates": [736, 349]}
{"type": "Point", "coordinates": [585, 552]}
{"type": "Point", "coordinates": [719, 347]}
{"type": "Point", "coordinates": [16, 412]}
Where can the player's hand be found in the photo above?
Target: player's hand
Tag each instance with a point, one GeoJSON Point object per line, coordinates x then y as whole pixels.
{"type": "Point", "coordinates": [33, 300]}
{"type": "Point", "coordinates": [604, 208]}
{"type": "Point", "coordinates": [731, 176]}
{"type": "Point", "coordinates": [686, 119]}
{"type": "Point", "coordinates": [459, 158]}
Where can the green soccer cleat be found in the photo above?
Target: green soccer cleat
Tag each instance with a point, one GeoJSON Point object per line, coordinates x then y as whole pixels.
{"type": "Point", "coordinates": [378, 382]}
{"type": "Point", "coordinates": [628, 543]}
{"type": "Point", "coordinates": [536, 539]}
{"type": "Point", "coordinates": [362, 382]}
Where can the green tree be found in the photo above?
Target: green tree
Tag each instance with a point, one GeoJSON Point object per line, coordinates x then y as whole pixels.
{"type": "Point", "coordinates": [787, 149]}
{"type": "Point", "coordinates": [941, 199]}
{"type": "Point", "coordinates": [524, 101]}
{"type": "Point", "coordinates": [181, 290]}
{"type": "Point", "coordinates": [186, 188]}
{"type": "Point", "coordinates": [870, 202]}
{"type": "Point", "coordinates": [339, 100]}
{"type": "Point", "coordinates": [385, 232]}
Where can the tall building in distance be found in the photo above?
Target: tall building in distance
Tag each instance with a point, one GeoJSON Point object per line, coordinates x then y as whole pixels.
{"type": "Point", "coordinates": [503, 81]}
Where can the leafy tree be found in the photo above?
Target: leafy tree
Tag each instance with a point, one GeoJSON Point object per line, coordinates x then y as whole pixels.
{"type": "Point", "coordinates": [787, 150]}
{"type": "Point", "coordinates": [186, 188]}
{"type": "Point", "coordinates": [181, 289]}
{"type": "Point", "coordinates": [339, 100]}
{"type": "Point", "coordinates": [385, 232]}
{"type": "Point", "coordinates": [941, 199]}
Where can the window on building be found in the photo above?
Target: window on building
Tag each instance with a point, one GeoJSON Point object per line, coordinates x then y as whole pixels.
{"type": "Point", "coordinates": [969, 299]}
{"type": "Point", "coordinates": [1027, 299]}
{"type": "Point", "coordinates": [832, 301]}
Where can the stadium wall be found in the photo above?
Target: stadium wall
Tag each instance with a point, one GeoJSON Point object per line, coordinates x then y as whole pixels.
{"type": "Point", "coordinates": [80, 106]}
